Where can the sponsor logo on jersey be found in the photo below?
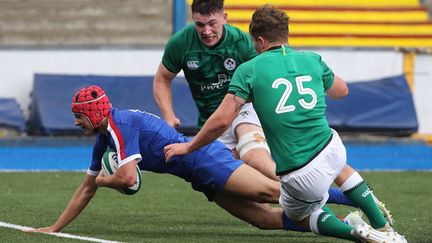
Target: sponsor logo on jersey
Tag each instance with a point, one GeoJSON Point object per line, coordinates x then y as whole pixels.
{"type": "Point", "coordinates": [230, 64]}
{"type": "Point", "coordinates": [244, 114]}
{"type": "Point", "coordinates": [222, 80]}
{"type": "Point", "coordinates": [192, 64]}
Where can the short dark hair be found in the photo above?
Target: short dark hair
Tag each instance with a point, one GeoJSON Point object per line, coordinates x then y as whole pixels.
{"type": "Point", "coordinates": [207, 7]}
{"type": "Point", "coordinates": [269, 23]}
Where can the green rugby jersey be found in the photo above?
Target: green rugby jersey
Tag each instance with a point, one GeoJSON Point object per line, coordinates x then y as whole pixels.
{"type": "Point", "coordinates": [287, 89]}
{"type": "Point", "coordinates": [208, 70]}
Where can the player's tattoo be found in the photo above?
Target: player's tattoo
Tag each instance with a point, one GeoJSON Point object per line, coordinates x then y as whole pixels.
{"type": "Point", "coordinates": [239, 102]}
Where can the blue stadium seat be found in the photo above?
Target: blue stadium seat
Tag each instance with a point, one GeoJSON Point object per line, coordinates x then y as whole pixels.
{"type": "Point", "coordinates": [379, 106]}
{"type": "Point", "coordinates": [382, 106]}
{"type": "Point", "coordinates": [50, 111]}
{"type": "Point", "coordinates": [11, 115]}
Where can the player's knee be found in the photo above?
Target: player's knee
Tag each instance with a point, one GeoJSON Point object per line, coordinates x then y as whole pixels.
{"type": "Point", "coordinates": [251, 140]}
{"type": "Point", "coordinates": [267, 190]}
{"type": "Point", "coordinates": [269, 194]}
{"type": "Point", "coordinates": [268, 221]}
{"type": "Point", "coordinates": [263, 224]}
{"type": "Point", "coordinates": [273, 195]}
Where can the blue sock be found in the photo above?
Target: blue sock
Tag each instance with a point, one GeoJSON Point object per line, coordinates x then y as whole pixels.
{"type": "Point", "coordinates": [338, 197]}
{"type": "Point", "coordinates": [288, 224]}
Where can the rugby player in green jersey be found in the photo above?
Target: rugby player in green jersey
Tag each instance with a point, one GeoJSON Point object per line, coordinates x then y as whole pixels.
{"type": "Point", "coordinates": [208, 51]}
{"type": "Point", "coordinates": [288, 89]}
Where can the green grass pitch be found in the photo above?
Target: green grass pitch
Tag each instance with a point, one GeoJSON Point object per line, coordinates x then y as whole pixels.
{"type": "Point", "coordinates": [167, 210]}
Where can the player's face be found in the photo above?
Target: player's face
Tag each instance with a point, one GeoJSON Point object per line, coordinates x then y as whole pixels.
{"type": "Point", "coordinates": [84, 123]}
{"type": "Point", "coordinates": [210, 27]}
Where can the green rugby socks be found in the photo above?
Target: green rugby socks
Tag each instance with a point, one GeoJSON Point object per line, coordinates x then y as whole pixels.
{"type": "Point", "coordinates": [358, 191]}
{"type": "Point", "coordinates": [327, 224]}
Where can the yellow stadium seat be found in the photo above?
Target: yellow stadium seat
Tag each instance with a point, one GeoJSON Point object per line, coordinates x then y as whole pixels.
{"type": "Point", "coordinates": [333, 23]}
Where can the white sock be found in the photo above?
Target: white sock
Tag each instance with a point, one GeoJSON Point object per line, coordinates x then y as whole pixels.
{"type": "Point", "coordinates": [313, 221]}
{"type": "Point", "coordinates": [351, 182]}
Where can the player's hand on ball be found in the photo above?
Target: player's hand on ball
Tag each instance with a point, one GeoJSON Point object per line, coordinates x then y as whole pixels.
{"type": "Point", "coordinates": [102, 173]}
{"type": "Point", "coordinates": [100, 178]}
{"type": "Point", "coordinates": [110, 166]}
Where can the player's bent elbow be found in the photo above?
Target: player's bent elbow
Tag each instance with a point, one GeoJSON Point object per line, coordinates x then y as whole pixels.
{"type": "Point", "coordinates": [129, 181]}
{"type": "Point", "coordinates": [124, 180]}
{"type": "Point", "coordinates": [125, 176]}
{"type": "Point", "coordinates": [344, 93]}
{"type": "Point", "coordinates": [339, 94]}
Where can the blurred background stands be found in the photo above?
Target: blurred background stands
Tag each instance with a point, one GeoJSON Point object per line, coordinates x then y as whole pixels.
{"type": "Point", "coordinates": [88, 23]}
{"type": "Point", "coordinates": [398, 26]}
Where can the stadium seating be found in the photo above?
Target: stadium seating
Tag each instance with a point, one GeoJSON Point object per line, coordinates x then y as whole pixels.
{"type": "Point", "coordinates": [383, 106]}
{"type": "Point", "coordinates": [50, 111]}
{"type": "Point", "coordinates": [11, 116]}
{"type": "Point", "coordinates": [84, 23]}
{"type": "Point", "coordinates": [333, 23]}
{"type": "Point", "coordinates": [129, 22]}
{"type": "Point", "coordinates": [386, 105]}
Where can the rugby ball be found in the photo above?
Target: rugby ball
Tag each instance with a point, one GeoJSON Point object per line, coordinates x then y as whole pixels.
{"type": "Point", "coordinates": [109, 167]}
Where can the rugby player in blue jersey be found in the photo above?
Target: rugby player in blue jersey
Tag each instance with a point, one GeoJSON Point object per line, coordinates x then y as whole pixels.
{"type": "Point", "coordinates": [139, 138]}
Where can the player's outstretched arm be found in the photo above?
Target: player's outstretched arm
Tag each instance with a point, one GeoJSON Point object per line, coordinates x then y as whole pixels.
{"type": "Point", "coordinates": [77, 203]}
{"type": "Point", "coordinates": [162, 92]}
{"type": "Point", "coordinates": [218, 122]}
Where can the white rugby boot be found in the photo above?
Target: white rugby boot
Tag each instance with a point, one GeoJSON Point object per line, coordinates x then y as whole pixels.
{"type": "Point", "coordinates": [366, 234]}
{"type": "Point", "coordinates": [354, 219]}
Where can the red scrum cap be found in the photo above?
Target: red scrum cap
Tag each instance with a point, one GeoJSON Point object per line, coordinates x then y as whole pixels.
{"type": "Point", "coordinates": [92, 103]}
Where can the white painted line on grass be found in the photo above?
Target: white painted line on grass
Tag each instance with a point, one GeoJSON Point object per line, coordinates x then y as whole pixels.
{"type": "Point", "coordinates": [64, 235]}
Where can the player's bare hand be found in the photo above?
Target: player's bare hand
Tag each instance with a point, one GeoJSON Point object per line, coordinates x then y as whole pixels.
{"type": "Point", "coordinates": [99, 179]}
{"type": "Point", "coordinates": [175, 149]}
{"type": "Point", "coordinates": [173, 122]}
{"type": "Point", "coordinates": [102, 173]}
{"type": "Point", "coordinates": [49, 229]}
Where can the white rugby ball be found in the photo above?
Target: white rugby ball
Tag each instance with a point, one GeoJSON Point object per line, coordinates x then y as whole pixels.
{"type": "Point", "coordinates": [109, 167]}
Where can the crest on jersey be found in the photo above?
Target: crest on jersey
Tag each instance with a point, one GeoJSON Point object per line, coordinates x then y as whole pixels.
{"type": "Point", "coordinates": [230, 64]}
{"type": "Point", "coordinates": [192, 64]}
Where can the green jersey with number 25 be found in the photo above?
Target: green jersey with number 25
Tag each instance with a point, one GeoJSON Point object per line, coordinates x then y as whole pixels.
{"type": "Point", "coordinates": [287, 89]}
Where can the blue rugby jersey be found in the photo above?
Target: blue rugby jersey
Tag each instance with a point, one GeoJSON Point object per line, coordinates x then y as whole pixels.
{"type": "Point", "coordinates": [140, 135]}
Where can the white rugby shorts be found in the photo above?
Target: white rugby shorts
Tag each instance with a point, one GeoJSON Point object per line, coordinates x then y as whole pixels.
{"type": "Point", "coordinates": [306, 190]}
{"type": "Point", "coordinates": [247, 114]}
